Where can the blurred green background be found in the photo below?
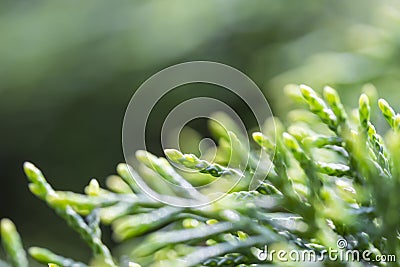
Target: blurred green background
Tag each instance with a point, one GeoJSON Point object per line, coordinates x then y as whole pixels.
{"type": "Point", "coordinates": [69, 69]}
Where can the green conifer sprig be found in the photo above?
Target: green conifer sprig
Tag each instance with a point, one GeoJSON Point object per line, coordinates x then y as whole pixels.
{"type": "Point", "coordinates": [331, 178]}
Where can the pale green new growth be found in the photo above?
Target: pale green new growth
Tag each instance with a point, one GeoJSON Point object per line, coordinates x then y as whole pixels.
{"type": "Point", "coordinates": [318, 106]}
{"type": "Point", "coordinates": [333, 99]}
{"type": "Point", "coordinates": [60, 202]}
{"type": "Point", "coordinates": [364, 110]}
{"type": "Point", "coordinates": [192, 162]}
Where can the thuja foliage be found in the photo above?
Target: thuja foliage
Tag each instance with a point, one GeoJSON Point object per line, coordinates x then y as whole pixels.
{"type": "Point", "coordinates": [333, 177]}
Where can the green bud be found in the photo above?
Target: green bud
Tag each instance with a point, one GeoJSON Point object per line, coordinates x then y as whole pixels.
{"type": "Point", "coordinates": [307, 91]}
{"type": "Point", "coordinates": [293, 91]}
{"type": "Point", "coordinates": [364, 110]}
{"type": "Point", "coordinates": [39, 185]}
{"type": "Point", "coordinates": [333, 99]}
{"type": "Point", "coordinates": [299, 132]}
{"type": "Point", "coordinates": [116, 184]}
{"type": "Point", "coordinates": [211, 242]}
{"type": "Point", "coordinates": [93, 189]}
{"type": "Point", "coordinates": [371, 130]}
{"type": "Point", "coordinates": [37, 190]}
{"type": "Point", "coordinates": [190, 223]}
{"type": "Point", "coordinates": [12, 243]}
{"type": "Point", "coordinates": [211, 221]}
{"type": "Point", "coordinates": [318, 106]}
{"type": "Point", "coordinates": [173, 154]}
{"type": "Point", "coordinates": [315, 102]}
{"type": "Point", "coordinates": [190, 158]}
{"type": "Point", "coordinates": [40, 254]}
{"type": "Point", "coordinates": [122, 169]}
{"type": "Point", "coordinates": [387, 111]}
{"type": "Point", "coordinates": [331, 96]}
{"type": "Point", "coordinates": [291, 142]}
{"type": "Point", "coordinates": [192, 162]}
{"type": "Point", "coordinates": [126, 172]}
{"type": "Point", "coordinates": [242, 235]}
{"type": "Point", "coordinates": [33, 173]}
{"type": "Point", "coordinates": [263, 141]}
{"type": "Point", "coordinates": [145, 157]}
